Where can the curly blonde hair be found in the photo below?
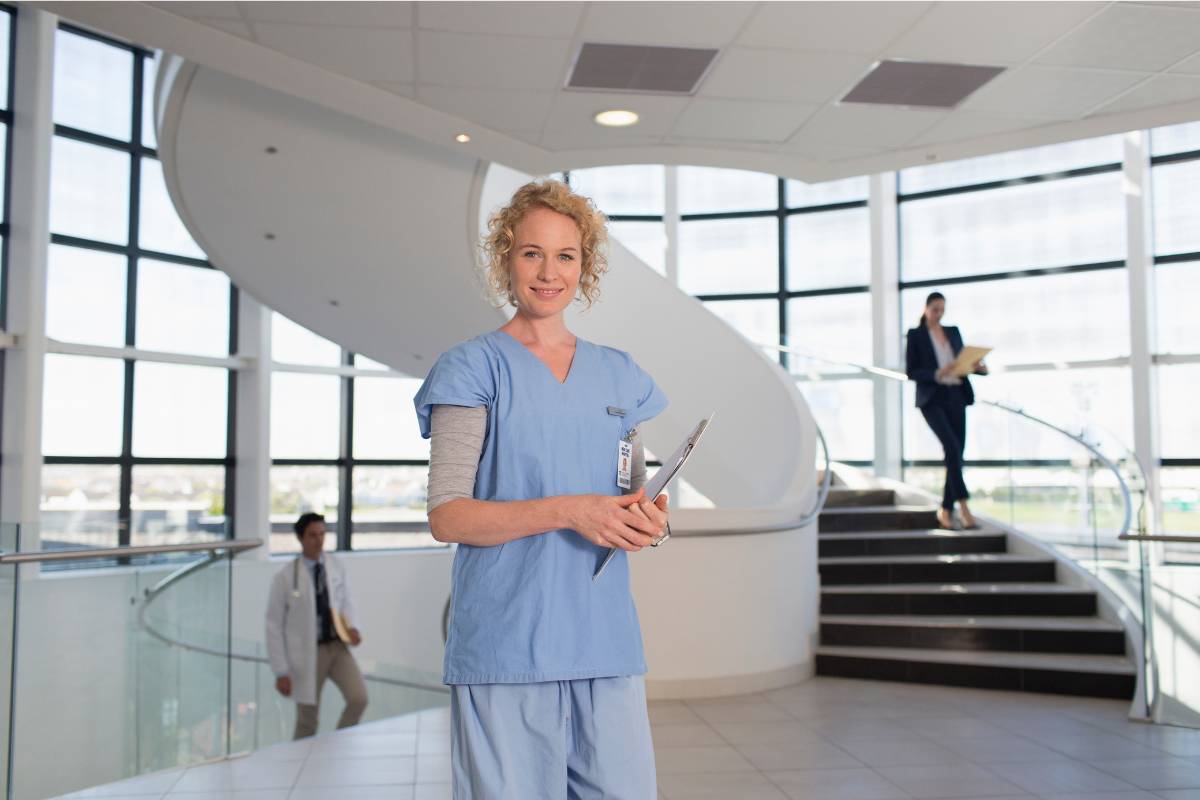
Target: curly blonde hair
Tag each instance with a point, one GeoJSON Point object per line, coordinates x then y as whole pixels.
{"type": "Point", "coordinates": [500, 239]}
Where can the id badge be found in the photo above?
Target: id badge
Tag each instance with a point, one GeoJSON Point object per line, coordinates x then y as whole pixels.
{"type": "Point", "coordinates": [624, 463]}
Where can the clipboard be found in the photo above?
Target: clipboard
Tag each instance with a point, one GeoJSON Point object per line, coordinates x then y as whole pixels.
{"type": "Point", "coordinates": [967, 359]}
{"type": "Point", "coordinates": [670, 468]}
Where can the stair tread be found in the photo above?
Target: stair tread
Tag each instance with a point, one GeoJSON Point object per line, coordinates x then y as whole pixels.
{"type": "Point", "coordinates": [879, 510]}
{"type": "Point", "coordinates": [1050, 623]}
{"type": "Point", "coordinates": [939, 558]}
{"type": "Point", "coordinates": [1067, 662]}
{"type": "Point", "coordinates": [913, 534]}
{"type": "Point", "coordinates": [955, 588]}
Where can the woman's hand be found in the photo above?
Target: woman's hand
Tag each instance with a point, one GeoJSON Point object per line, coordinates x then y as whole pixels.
{"type": "Point", "coordinates": [618, 521]}
{"type": "Point", "coordinates": [655, 513]}
{"type": "Point", "coordinates": [944, 372]}
{"type": "Point", "coordinates": [981, 368]}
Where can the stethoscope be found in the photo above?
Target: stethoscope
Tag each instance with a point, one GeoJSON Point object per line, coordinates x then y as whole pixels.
{"type": "Point", "coordinates": [296, 578]}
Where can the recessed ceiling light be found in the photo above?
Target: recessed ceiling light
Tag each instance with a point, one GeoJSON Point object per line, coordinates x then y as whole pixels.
{"type": "Point", "coordinates": [462, 138]}
{"type": "Point", "coordinates": [616, 118]}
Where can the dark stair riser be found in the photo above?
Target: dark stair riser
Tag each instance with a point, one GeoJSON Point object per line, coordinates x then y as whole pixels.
{"type": "Point", "coordinates": [1088, 684]}
{"type": "Point", "coordinates": [949, 572]}
{"type": "Point", "coordinates": [975, 638]}
{"type": "Point", "coordinates": [1081, 604]}
{"type": "Point", "coordinates": [842, 521]}
{"type": "Point", "coordinates": [850, 498]}
{"type": "Point", "coordinates": [897, 546]}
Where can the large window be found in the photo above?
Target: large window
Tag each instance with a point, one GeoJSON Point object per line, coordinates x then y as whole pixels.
{"type": "Point", "coordinates": [7, 38]}
{"type": "Point", "coordinates": [781, 261]}
{"type": "Point", "coordinates": [344, 443]}
{"type": "Point", "coordinates": [1029, 248]}
{"type": "Point", "coordinates": [136, 418]}
{"type": "Point", "coordinates": [1175, 169]}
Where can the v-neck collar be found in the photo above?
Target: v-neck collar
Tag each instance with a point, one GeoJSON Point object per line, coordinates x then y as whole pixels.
{"type": "Point", "coordinates": [579, 342]}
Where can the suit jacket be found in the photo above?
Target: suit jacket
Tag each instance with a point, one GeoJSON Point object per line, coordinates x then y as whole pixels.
{"type": "Point", "coordinates": [921, 364]}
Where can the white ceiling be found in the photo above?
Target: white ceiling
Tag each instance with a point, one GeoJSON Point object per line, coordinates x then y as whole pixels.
{"type": "Point", "coordinates": [770, 101]}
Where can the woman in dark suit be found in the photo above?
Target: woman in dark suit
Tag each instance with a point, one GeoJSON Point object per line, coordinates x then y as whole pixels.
{"type": "Point", "coordinates": [943, 399]}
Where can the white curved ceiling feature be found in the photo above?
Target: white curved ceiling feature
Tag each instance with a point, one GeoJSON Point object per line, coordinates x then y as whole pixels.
{"type": "Point", "coordinates": [357, 215]}
{"type": "Point", "coordinates": [366, 237]}
{"type": "Point", "coordinates": [770, 102]}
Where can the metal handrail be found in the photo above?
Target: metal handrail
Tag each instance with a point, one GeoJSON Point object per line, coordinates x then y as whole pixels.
{"type": "Point", "coordinates": [894, 375]}
{"type": "Point", "coordinates": [37, 556]}
{"type": "Point", "coordinates": [152, 593]}
{"type": "Point", "coordinates": [1159, 537]}
{"type": "Point", "coordinates": [826, 482]}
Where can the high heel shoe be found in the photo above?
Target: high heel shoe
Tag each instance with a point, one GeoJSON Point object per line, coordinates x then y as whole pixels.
{"type": "Point", "coordinates": [950, 526]}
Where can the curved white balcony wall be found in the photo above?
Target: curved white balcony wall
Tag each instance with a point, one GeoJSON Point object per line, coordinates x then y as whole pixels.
{"type": "Point", "coordinates": [385, 226]}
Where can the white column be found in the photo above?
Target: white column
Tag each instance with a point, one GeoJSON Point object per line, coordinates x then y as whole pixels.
{"type": "Point", "coordinates": [24, 365]}
{"type": "Point", "coordinates": [886, 334]}
{"type": "Point", "coordinates": [1139, 258]}
{"type": "Point", "coordinates": [671, 221]}
{"type": "Point", "coordinates": [252, 436]}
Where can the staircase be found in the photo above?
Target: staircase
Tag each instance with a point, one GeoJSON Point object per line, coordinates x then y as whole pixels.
{"type": "Point", "coordinates": [903, 600]}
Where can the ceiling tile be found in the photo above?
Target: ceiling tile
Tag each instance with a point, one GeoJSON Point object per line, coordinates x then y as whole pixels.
{"type": "Point", "coordinates": [818, 151]}
{"type": "Point", "coordinates": [742, 73]}
{"type": "Point", "coordinates": [573, 112]}
{"type": "Point", "coordinates": [664, 23]}
{"type": "Point", "coordinates": [989, 32]}
{"type": "Point", "coordinates": [493, 108]}
{"type": "Point", "coordinates": [557, 19]}
{"type": "Point", "coordinates": [867, 126]}
{"type": "Point", "coordinates": [597, 138]}
{"type": "Point", "coordinates": [401, 89]}
{"type": "Point", "coordinates": [383, 54]}
{"type": "Point", "coordinates": [1190, 66]}
{"type": "Point", "coordinates": [1051, 92]}
{"type": "Point", "coordinates": [469, 60]}
{"type": "Point", "coordinates": [741, 120]}
{"type": "Point", "coordinates": [190, 9]}
{"type": "Point", "coordinates": [962, 125]}
{"type": "Point", "coordinates": [862, 28]}
{"type": "Point", "coordinates": [1163, 90]}
{"type": "Point", "coordinates": [349, 13]}
{"type": "Point", "coordinates": [1124, 36]}
{"type": "Point", "coordinates": [234, 26]}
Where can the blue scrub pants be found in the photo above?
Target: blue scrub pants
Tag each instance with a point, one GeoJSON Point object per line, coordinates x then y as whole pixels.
{"type": "Point", "coordinates": [582, 740]}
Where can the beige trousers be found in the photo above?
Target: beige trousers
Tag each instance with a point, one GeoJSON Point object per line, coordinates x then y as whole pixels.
{"type": "Point", "coordinates": [335, 662]}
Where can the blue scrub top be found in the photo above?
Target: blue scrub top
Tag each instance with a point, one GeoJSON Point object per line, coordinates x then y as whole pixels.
{"type": "Point", "coordinates": [528, 611]}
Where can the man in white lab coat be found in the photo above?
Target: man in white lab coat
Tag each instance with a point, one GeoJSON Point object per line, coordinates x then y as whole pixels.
{"type": "Point", "coordinates": [302, 634]}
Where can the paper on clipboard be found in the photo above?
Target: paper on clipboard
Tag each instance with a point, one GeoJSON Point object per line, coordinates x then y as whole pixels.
{"type": "Point", "coordinates": [967, 360]}
{"type": "Point", "coordinates": [670, 468]}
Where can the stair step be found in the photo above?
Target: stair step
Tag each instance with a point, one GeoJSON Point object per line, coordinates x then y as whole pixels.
{"type": "Point", "coordinates": [942, 599]}
{"type": "Point", "coordinates": [971, 567]}
{"type": "Point", "coordinates": [868, 518]}
{"type": "Point", "coordinates": [1050, 634]}
{"type": "Point", "coordinates": [911, 532]}
{"type": "Point", "coordinates": [845, 497]}
{"type": "Point", "coordinates": [1088, 675]}
{"type": "Point", "coordinates": [909, 543]}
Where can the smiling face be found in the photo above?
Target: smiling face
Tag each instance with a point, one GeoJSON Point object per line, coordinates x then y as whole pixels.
{"type": "Point", "coordinates": [544, 264]}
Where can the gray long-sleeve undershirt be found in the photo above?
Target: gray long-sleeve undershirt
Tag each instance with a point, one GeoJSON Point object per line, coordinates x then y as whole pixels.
{"type": "Point", "coordinates": [456, 442]}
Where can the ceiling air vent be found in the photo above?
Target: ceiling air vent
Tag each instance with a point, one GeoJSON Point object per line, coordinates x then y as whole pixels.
{"type": "Point", "coordinates": [920, 83]}
{"type": "Point", "coordinates": [634, 68]}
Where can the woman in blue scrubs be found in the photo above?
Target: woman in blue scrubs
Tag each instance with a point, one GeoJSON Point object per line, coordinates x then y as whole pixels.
{"type": "Point", "coordinates": [546, 666]}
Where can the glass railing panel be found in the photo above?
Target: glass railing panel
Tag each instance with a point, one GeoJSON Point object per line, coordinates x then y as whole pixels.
{"type": "Point", "coordinates": [262, 717]}
{"type": "Point", "coordinates": [180, 642]}
{"type": "Point", "coordinates": [75, 720]}
{"type": "Point", "coordinates": [9, 537]}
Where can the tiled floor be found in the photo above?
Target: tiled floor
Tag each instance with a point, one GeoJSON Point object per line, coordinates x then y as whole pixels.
{"type": "Point", "coordinates": [827, 739]}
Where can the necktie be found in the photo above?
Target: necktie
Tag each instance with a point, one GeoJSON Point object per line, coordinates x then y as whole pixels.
{"type": "Point", "coordinates": [324, 615]}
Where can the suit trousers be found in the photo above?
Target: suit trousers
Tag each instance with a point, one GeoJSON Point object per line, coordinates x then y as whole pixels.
{"type": "Point", "coordinates": [335, 662]}
{"type": "Point", "coordinates": [947, 417]}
